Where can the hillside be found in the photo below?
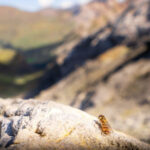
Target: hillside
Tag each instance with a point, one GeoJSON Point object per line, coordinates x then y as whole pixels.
{"type": "Point", "coordinates": [27, 43]}
{"type": "Point", "coordinates": [97, 14]}
{"type": "Point", "coordinates": [109, 67]}
{"type": "Point", "coordinates": [41, 40]}
{"type": "Point", "coordinates": [31, 30]}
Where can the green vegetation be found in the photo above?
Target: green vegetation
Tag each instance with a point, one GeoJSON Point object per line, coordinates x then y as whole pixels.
{"type": "Point", "coordinates": [43, 33]}
{"type": "Point", "coordinates": [21, 80]}
{"type": "Point", "coordinates": [18, 84]}
{"type": "Point", "coordinates": [33, 38]}
{"type": "Point", "coordinates": [6, 56]}
{"type": "Point", "coordinates": [32, 30]}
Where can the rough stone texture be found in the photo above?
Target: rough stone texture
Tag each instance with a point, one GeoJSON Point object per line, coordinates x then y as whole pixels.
{"type": "Point", "coordinates": [39, 125]}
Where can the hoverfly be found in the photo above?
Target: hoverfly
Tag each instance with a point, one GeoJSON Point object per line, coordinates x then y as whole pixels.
{"type": "Point", "coordinates": [104, 125]}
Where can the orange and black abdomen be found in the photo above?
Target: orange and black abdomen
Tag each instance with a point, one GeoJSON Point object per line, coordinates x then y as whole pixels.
{"type": "Point", "coordinates": [105, 127]}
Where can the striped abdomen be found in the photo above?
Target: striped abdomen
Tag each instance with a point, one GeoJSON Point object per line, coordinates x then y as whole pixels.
{"type": "Point", "coordinates": [105, 127]}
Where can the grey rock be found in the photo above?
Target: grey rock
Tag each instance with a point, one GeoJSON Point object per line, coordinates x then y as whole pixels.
{"type": "Point", "coordinates": [47, 125]}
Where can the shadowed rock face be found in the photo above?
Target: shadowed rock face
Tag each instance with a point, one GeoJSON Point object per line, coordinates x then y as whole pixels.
{"type": "Point", "coordinates": [37, 125]}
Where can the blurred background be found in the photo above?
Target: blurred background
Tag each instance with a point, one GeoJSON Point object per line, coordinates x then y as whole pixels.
{"type": "Point", "coordinates": [90, 54]}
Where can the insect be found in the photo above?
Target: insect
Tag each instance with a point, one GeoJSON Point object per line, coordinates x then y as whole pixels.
{"type": "Point", "coordinates": [104, 125]}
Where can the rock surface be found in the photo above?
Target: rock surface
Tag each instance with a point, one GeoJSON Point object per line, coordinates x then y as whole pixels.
{"type": "Point", "coordinates": [97, 14]}
{"type": "Point", "coordinates": [31, 124]}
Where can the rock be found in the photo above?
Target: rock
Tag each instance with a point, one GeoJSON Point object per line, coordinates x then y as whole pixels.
{"type": "Point", "coordinates": [31, 124]}
{"type": "Point", "coordinates": [97, 14]}
{"type": "Point", "coordinates": [134, 21]}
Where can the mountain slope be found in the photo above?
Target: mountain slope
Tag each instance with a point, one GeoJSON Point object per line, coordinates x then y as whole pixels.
{"type": "Point", "coordinates": [31, 30]}
{"type": "Point", "coordinates": [42, 40]}
{"type": "Point", "coordinates": [97, 14]}
{"type": "Point", "coordinates": [111, 67]}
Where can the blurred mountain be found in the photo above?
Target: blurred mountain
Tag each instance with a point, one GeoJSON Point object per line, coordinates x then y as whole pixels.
{"type": "Point", "coordinates": [32, 37]}
{"type": "Point", "coordinates": [97, 14]}
{"type": "Point", "coordinates": [29, 30]}
{"type": "Point", "coordinates": [26, 30]}
{"type": "Point", "coordinates": [109, 70]}
{"type": "Point", "coordinates": [42, 39]}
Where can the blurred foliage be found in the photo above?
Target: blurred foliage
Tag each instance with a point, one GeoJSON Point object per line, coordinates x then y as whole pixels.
{"type": "Point", "coordinates": [6, 56]}
{"type": "Point", "coordinates": [17, 83]}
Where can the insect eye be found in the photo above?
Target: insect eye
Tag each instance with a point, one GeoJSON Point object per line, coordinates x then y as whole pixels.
{"type": "Point", "coordinates": [101, 117]}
